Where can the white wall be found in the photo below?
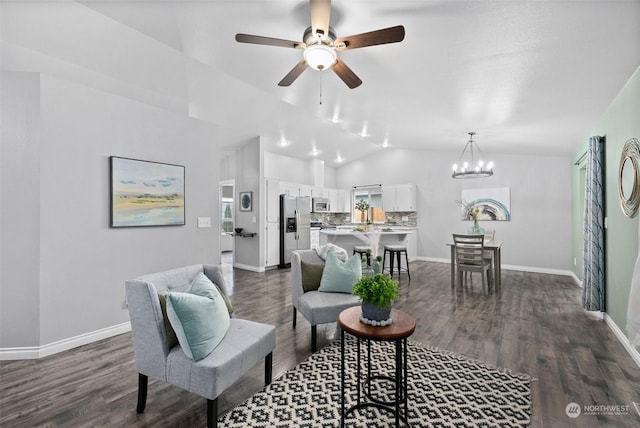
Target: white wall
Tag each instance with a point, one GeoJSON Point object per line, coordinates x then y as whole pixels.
{"type": "Point", "coordinates": [249, 253]}
{"type": "Point", "coordinates": [285, 168]}
{"type": "Point", "coordinates": [293, 170]}
{"type": "Point", "coordinates": [81, 261]}
{"type": "Point", "coordinates": [539, 233]}
{"type": "Point", "coordinates": [20, 203]}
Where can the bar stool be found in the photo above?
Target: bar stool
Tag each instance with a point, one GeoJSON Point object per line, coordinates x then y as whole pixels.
{"type": "Point", "coordinates": [363, 250]}
{"type": "Point", "coordinates": [395, 251]}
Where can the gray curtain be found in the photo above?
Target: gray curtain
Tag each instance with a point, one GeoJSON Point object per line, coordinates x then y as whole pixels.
{"type": "Point", "coordinates": [593, 275]}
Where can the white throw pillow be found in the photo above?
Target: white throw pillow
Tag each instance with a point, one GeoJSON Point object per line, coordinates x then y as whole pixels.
{"type": "Point", "coordinates": [324, 250]}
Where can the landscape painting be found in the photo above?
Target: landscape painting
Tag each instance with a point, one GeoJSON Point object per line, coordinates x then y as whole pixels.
{"type": "Point", "coordinates": [145, 193]}
{"type": "Point", "coordinates": [493, 204]}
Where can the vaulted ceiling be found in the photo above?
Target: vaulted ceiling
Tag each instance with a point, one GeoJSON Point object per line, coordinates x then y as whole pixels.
{"type": "Point", "coordinates": [527, 76]}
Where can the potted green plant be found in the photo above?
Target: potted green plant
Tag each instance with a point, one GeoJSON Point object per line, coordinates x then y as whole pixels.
{"type": "Point", "coordinates": [363, 207]}
{"type": "Point", "coordinates": [377, 265]}
{"type": "Point", "coordinates": [376, 293]}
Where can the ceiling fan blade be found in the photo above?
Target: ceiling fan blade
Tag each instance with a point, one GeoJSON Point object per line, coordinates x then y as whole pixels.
{"type": "Point", "coordinates": [372, 38]}
{"type": "Point", "coordinates": [345, 73]}
{"type": "Point", "coordinates": [320, 15]}
{"type": "Point", "coordinates": [294, 73]}
{"type": "Point", "coordinates": [269, 41]}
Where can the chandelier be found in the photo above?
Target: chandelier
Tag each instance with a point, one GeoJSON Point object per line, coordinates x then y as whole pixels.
{"type": "Point", "coordinates": [467, 166]}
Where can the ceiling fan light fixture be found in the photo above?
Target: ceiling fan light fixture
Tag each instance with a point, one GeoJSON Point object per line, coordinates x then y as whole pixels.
{"type": "Point", "coordinates": [319, 56]}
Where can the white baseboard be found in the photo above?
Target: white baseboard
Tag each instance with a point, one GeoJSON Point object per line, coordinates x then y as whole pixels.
{"type": "Point", "coordinates": [576, 279]}
{"type": "Point", "coordinates": [35, 352]}
{"type": "Point", "coordinates": [509, 267]}
{"type": "Point", "coordinates": [248, 267]}
{"type": "Point", "coordinates": [432, 259]}
{"type": "Point", "coordinates": [624, 340]}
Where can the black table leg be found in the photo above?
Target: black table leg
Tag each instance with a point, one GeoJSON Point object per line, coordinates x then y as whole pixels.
{"type": "Point", "coordinates": [342, 377]}
{"type": "Point", "coordinates": [399, 372]}
{"type": "Point", "coordinates": [368, 368]}
{"type": "Point", "coordinates": [399, 406]}
{"type": "Point", "coordinates": [358, 373]}
{"type": "Point", "coordinates": [405, 381]}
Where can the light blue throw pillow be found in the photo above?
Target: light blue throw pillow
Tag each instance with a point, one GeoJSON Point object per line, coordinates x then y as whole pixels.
{"type": "Point", "coordinates": [200, 322]}
{"type": "Point", "coordinates": [202, 286]}
{"type": "Point", "coordinates": [338, 276]}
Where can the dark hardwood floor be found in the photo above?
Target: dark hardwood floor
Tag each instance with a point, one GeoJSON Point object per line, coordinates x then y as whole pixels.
{"type": "Point", "coordinates": [534, 324]}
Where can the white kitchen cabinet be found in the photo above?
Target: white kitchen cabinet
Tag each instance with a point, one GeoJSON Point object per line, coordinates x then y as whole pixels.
{"type": "Point", "coordinates": [273, 189]}
{"type": "Point", "coordinates": [344, 201]}
{"type": "Point", "coordinates": [399, 197]}
{"type": "Point", "coordinates": [304, 190]}
{"type": "Point", "coordinates": [272, 244]}
{"type": "Point", "coordinates": [389, 198]}
{"type": "Point", "coordinates": [332, 195]}
{"type": "Point", "coordinates": [319, 192]}
{"type": "Point", "coordinates": [289, 189]}
{"type": "Point", "coordinates": [315, 237]}
{"type": "Point", "coordinates": [406, 197]}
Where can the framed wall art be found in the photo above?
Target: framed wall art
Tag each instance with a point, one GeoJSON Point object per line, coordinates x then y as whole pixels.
{"type": "Point", "coordinates": [246, 201]}
{"type": "Point", "coordinates": [494, 204]}
{"type": "Point", "coordinates": [629, 178]}
{"type": "Point", "coordinates": [145, 193]}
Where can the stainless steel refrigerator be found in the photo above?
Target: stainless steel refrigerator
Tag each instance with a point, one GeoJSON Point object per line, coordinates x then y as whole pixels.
{"type": "Point", "coordinates": [295, 226]}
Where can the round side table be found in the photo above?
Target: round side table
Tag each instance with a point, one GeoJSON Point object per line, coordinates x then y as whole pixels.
{"type": "Point", "coordinates": [402, 327]}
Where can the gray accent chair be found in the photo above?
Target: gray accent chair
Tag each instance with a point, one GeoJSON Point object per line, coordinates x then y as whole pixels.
{"type": "Point", "coordinates": [245, 344]}
{"type": "Point", "coordinates": [316, 306]}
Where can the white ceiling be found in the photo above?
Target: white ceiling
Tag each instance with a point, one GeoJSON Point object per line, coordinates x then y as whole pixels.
{"type": "Point", "coordinates": [527, 76]}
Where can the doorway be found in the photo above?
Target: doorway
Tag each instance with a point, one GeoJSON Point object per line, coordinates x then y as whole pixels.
{"type": "Point", "coordinates": [227, 221]}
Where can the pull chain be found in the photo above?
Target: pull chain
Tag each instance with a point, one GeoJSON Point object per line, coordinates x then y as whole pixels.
{"type": "Point", "coordinates": [320, 88]}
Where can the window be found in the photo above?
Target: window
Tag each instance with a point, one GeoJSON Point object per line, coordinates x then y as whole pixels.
{"type": "Point", "coordinates": [372, 195]}
{"type": "Point", "coordinates": [226, 209]}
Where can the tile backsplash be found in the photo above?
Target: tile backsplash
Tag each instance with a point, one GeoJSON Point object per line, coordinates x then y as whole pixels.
{"type": "Point", "coordinates": [411, 218]}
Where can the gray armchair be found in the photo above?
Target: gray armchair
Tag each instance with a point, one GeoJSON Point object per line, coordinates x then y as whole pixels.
{"type": "Point", "coordinates": [317, 307]}
{"type": "Point", "coordinates": [244, 345]}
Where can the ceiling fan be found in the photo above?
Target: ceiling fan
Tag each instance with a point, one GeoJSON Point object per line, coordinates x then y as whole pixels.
{"type": "Point", "coordinates": [321, 46]}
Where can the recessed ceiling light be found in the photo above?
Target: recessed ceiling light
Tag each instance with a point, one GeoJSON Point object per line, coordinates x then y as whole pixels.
{"type": "Point", "coordinates": [283, 143]}
{"type": "Point", "coordinates": [364, 132]}
{"type": "Point", "coordinates": [335, 118]}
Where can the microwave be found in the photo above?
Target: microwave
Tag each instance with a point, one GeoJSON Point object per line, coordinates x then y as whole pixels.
{"type": "Point", "coordinates": [320, 205]}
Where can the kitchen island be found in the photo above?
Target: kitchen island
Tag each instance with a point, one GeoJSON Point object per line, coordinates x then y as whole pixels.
{"type": "Point", "coordinates": [348, 238]}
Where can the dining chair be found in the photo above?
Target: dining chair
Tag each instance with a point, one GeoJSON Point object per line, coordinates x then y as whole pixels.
{"type": "Point", "coordinates": [489, 235]}
{"type": "Point", "coordinates": [469, 253]}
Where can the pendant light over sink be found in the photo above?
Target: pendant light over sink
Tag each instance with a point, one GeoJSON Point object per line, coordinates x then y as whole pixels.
{"type": "Point", "coordinates": [471, 163]}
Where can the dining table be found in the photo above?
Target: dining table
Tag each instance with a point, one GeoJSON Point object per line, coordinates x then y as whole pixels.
{"type": "Point", "coordinates": [490, 245]}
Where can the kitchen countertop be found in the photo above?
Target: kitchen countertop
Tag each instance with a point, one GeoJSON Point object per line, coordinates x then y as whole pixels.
{"type": "Point", "coordinates": [351, 231]}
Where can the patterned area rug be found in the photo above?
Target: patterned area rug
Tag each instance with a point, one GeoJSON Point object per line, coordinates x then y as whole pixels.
{"type": "Point", "coordinates": [445, 390]}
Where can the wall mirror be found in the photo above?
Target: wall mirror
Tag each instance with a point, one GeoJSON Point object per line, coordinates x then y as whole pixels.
{"type": "Point", "coordinates": [629, 178]}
